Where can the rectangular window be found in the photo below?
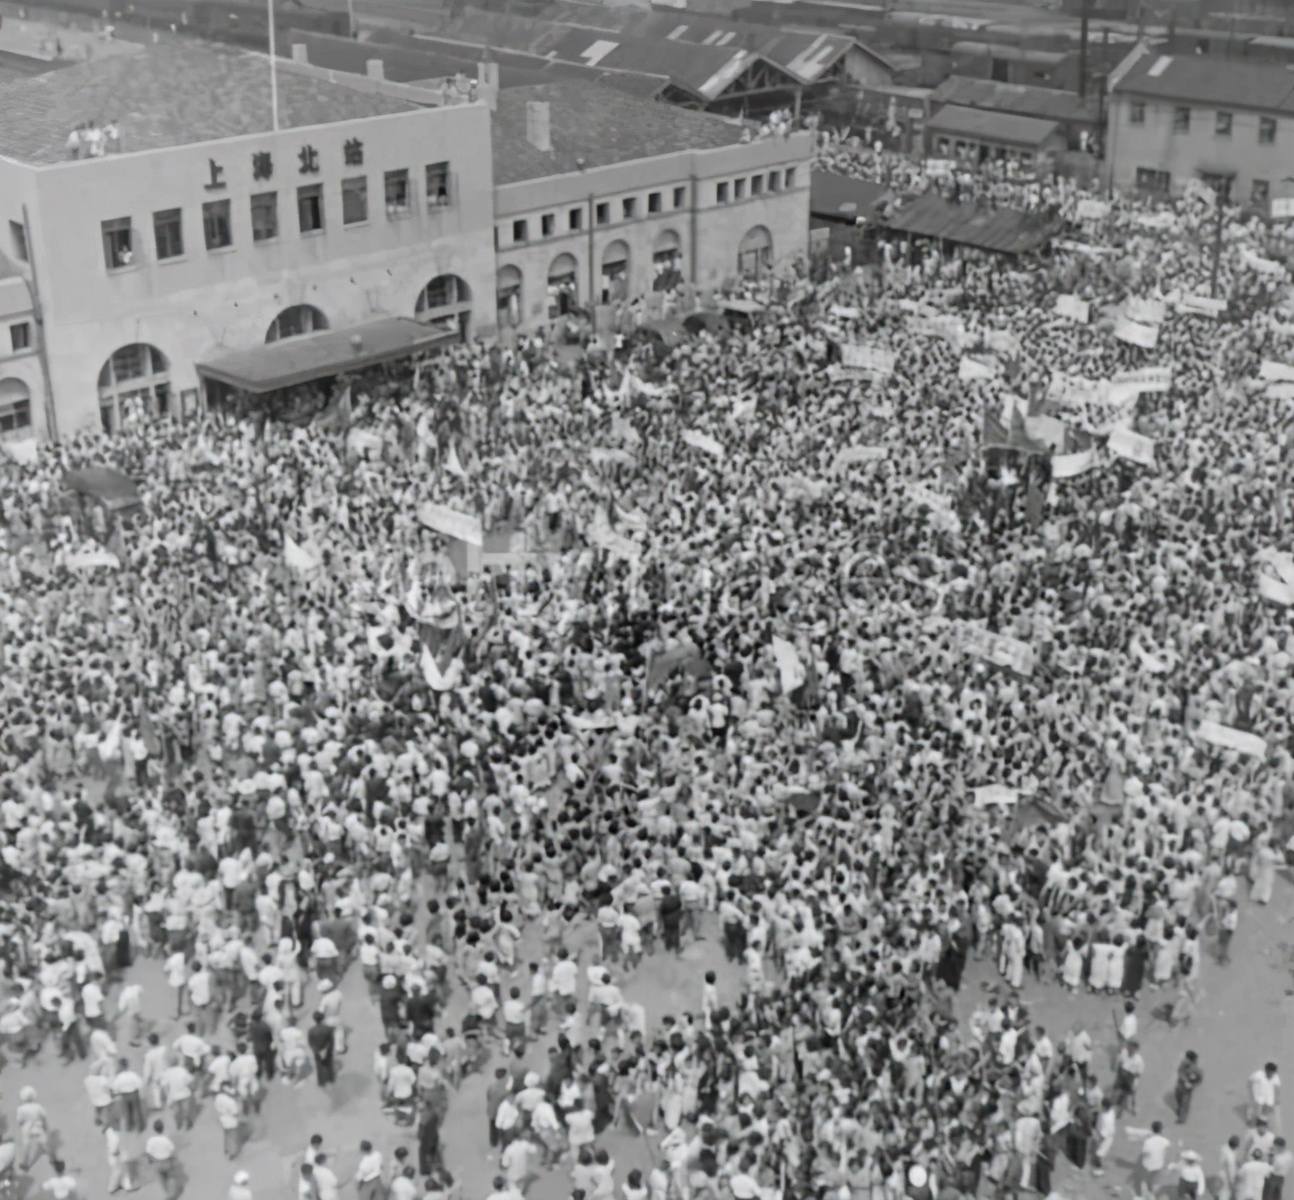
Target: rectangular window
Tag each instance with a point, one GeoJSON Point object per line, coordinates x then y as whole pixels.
{"type": "Point", "coordinates": [680, 197]}
{"type": "Point", "coordinates": [15, 415]}
{"type": "Point", "coordinates": [548, 224]}
{"type": "Point", "coordinates": [118, 250]}
{"type": "Point", "coordinates": [310, 213]}
{"type": "Point", "coordinates": [653, 202]}
{"type": "Point", "coordinates": [575, 219]}
{"type": "Point", "coordinates": [774, 181]}
{"type": "Point", "coordinates": [756, 185]}
{"type": "Point", "coordinates": [1137, 112]}
{"type": "Point", "coordinates": [397, 191]}
{"type": "Point", "coordinates": [18, 236]}
{"type": "Point", "coordinates": [1266, 130]}
{"type": "Point", "coordinates": [629, 208]}
{"type": "Point", "coordinates": [217, 230]}
{"type": "Point", "coordinates": [790, 178]}
{"type": "Point", "coordinates": [1182, 119]}
{"type": "Point", "coordinates": [721, 193]}
{"type": "Point", "coordinates": [354, 200]}
{"type": "Point", "coordinates": [519, 231]}
{"type": "Point", "coordinates": [603, 213]}
{"type": "Point", "coordinates": [438, 185]}
{"type": "Point", "coordinates": [1260, 191]}
{"type": "Point", "coordinates": [168, 233]}
{"type": "Point", "coordinates": [265, 217]}
{"type": "Point", "coordinates": [739, 190]}
{"type": "Point", "coordinates": [1222, 124]}
{"type": "Point", "coordinates": [1149, 179]}
{"type": "Point", "coordinates": [20, 336]}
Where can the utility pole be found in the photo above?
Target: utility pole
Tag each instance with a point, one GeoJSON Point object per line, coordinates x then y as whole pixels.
{"type": "Point", "coordinates": [1223, 194]}
{"type": "Point", "coordinates": [1082, 48]}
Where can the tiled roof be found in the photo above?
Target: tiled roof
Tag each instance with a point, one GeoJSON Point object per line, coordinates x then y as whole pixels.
{"type": "Point", "coordinates": [597, 125]}
{"type": "Point", "coordinates": [1203, 79]}
{"type": "Point", "coordinates": [172, 94]}
{"type": "Point", "coordinates": [1002, 229]}
{"type": "Point", "coordinates": [992, 126]}
{"type": "Point", "coordinates": [1050, 104]}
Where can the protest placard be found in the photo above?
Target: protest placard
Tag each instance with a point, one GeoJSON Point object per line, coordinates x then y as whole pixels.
{"type": "Point", "coordinates": [939, 168]}
{"type": "Point", "coordinates": [995, 795]}
{"type": "Point", "coordinates": [1147, 379]}
{"type": "Point", "coordinates": [1281, 391]}
{"type": "Point", "coordinates": [461, 526]}
{"type": "Point", "coordinates": [601, 534]}
{"type": "Point", "coordinates": [1160, 220]}
{"type": "Point", "coordinates": [1074, 308]}
{"type": "Point", "coordinates": [790, 669]}
{"type": "Point", "coordinates": [1280, 564]}
{"type": "Point", "coordinates": [861, 357]}
{"type": "Point", "coordinates": [1046, 431]}
{"type": "Point", "coordinates": [1264, 266]}
{"type": "Point", "coordinates": [999, 648]}
{"type": "Point", "coordinates": [971, 368]}
{"type": "Point", "coordinates": [1127, 443]}
{"type": "Point", "coordinates": [300, 558]}
{"type": "Point", "coordinates": [1272, 588]}
{"type": "Point", "coordinates": [845, 312]}
{"type": "Point", "coordinates": [1136, 333]}
{"type": "Point", "coordinates": [87, 560]}
{"type": "Point", "coordinates": [1082, 248]}
{"type": "Point", "coordinates": [951, 329]}
{"type": "Point", "coordinates": [703, 442]}
{"type": "Point", "coordinates": [1145, 311]}
{"type": "Point", "coordinates": [1091, 209]}
{"type": "Point", "coordinates": [1200, 306]}
{"type": "Point", "coordinates": [1274, 372]}
{"type": "Point", "coordinates": [1067, 466]}
{"type": "Point", "coordinates": [1227, 738]}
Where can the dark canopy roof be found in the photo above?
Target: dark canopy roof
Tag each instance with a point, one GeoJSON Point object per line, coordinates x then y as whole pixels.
{"type": "Point", "coordinates": [842, 196]}
{"type": "Point", "coordinates": [1005, 230]}
{"type": "Point", "coordinates": [107, 485]}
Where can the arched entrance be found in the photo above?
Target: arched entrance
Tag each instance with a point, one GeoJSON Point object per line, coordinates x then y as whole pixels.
{"type": "Point", "coordinates": [755, 255]}
{"type": "Point", "coordinates": [446, 302]}
{"type": "Point", "coordinates": [615, 272]}
{"type": "Point", "coordinates": [563, 286]}
{"type": "Point", "coordinates": [15, 407]}
{"type": "Point", "coordinates": [296, 321]}
{"type": "Point", "coordinates": [134, 384]}
{"type": "Point", "coordinates": [667, 261]}
{"type": "Point", "coordinates": [507, 293]}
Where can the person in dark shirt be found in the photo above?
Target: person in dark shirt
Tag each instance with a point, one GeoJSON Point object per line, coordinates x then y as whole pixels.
{"type": "Point", "coordinates": [323, 1045]}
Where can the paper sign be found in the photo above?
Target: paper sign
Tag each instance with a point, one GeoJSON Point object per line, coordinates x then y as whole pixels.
{"type": "Point", "coordinates": [995, 795]}
{"type": "Point", "coordinates": [87, 560]}
{"type": "Point", "coordinates": [1067, 466]}
{"type": "Point", "coordinates": [1000, 648]}
{"type": "Point", "coordinates": [21, 450]}
{"type": "Point", "coordinates": [971, 368]}
{"type": "Point", "coordinates": [1201, 306]}
{"type": "Point", "coordinates": [1281, 391]}
{"type": "Point", "coordinates": [1131, 445]}
{"type": "Point", "coordinates": [1047, 430]}
{"type": "Point", "coordinates": [299, 558]}
{"type": "Point", "coordinates": [1074, 308]}
{"type": "Point", "coordinates": [858, 454]}
{"type": "Point", "coordinates": [939, 167]}
{"type": "Point", "coordinates": [362, 442]}
{"type": "Point", "coordinates": [1274, 372]}
{"type": "Point", "coordinates": [1002, 342]}
{"type": "Point", "coordinates": [1148, 379]}
{"type": "Point", "coordinates": [703, 441]}
{"type": "Point", "coordinates": [1145, 312]}
{"type": "Point", "coordinates": [1091, 209]}
{"type": "Point", "coordinates": [1136, 334]}
{"type": "Point", "coordinates": [1264, 266]}
{"type": "Point", "coordinates": [951, 329]}
{"type": "Point", "coordinates": [1232, 739]}
{"type": "Point", "coordinates": [1282, 565]}
{"type": "Point", "coordinates": [1271, 588]}
{"type": "Point", "coordinates": [867, 358]}
{"type": "Point", "coordinates": [789, 666]}
{"type": "Point", "coordinates": [454, 524]}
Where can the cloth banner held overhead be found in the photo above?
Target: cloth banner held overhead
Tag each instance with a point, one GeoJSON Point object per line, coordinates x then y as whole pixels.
{"type": "Point", "coordinates": [859, 357]}
{"type": "Point", "coordinates": [1144, 311]}
{"type": "Point", "coordinates": [1276, 576]}
{"type": "Point", "coordinates": [441, 680]}
{"type": "Point", "coordinates": [1200, 306]}
{"type": "Point", "coordinates": [1274, 372]}
{"type": "Point", "coordinates": [1126, 443]}
{"type": "Point", "coordinates": [1073, 308]}
{"type": "Point", "coordinates": [1136, 334]}
{"type": "Point", "coordinates": [300, 558]}
{"type": "Point", "coordinates": [1046, 431]}
{"type": "Point", "coordinates": [1146, 380]}
{"type": "Point", "coordinates": [87, 560]}
{"type": "Point", "coordinates": [703, 442]}
{"type": "Point", "coordinates": [454, 524]}
{"type": "Point", "coordinates": [789, 666]}
{"type": "Point", "coordinates": [1067, 466]}
{"type": "Point", "coordinates": [970, 369]}
{"type": "Point", "coordinates": [995, 795]}
{"type": "Point", "coordinates": [1227, 738]}
{"type": "Point", "coordinates": [1089, 208]}
{"type": "Point", "coordinates": [1000, 649]}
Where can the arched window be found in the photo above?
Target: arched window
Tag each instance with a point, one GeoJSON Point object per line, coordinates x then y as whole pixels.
{"type": "Point", "coordinates": [667, 260]}
{"type": "Point", "coordinates": [446, 302]}
{"type": "Point", "coordinates": [134, 384]}
{"type": "Point", "coordinates": [615, 272]}
{"type": "Point", "coordinates": [755, 255]}
{"type": "Point", "coordinates": [295, 321]}
{"type": "Point", "coordinates": [508, 297]}
{"type": "Point", "coordinates": [563, 286]}
{"type": "Point", "coordinates": [15, 407]}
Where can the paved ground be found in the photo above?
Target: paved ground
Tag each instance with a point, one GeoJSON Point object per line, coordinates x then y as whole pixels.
{"type": "Point", "coordinates": [1245, 1017]}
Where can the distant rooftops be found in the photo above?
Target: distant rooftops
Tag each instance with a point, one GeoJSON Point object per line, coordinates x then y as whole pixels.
{"type": "Point", "coordinates": [173, 94]}
{"type": "Point", "coordinates": [1204, 79]}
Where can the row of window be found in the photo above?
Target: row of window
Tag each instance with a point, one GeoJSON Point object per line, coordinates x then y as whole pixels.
{"type": "Point", "coordinates": [776, 181]}
{"type": "Point", "coordinates": [1223, 122]}
{"type": "Point", "coordinates": [1152, 179]}
{"type": "Point", "coordinates": [15, 415]}
{"type": "Point", "coordinates": [217, 226]}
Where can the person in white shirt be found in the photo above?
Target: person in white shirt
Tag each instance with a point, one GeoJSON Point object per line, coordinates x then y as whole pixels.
{"type": "Point", "coordinates": [229, 1116]}
{"type": "Point", "coordinates": [1264, 1093]}
{"type": "Point", "coordinates": [1151, 1160]}
{"type": "Point", "coordinates": [368, 1173]}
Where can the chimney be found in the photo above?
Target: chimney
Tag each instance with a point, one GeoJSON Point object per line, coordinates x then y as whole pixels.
{"type": "Point", "coordinates": [488, 75]}
{"type": "Point", "coordinates": [300, 52]}
{"type": "Point", "coordinates": [538, 132]}
{"type": "Point", "coordinates": [373, 69]}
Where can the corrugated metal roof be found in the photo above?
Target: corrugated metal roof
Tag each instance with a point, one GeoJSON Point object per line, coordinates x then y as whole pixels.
{"type": "Point", "coordinates": [843, 195]}
{"type": "Point", "coordinates": [1046, 58]}
{"type": "Point", "coordinates": [1203, 79]}
{"type": "Point", "coordinates": [1049, 104]}
{"type": "Point", "coordinates": [1004, 230]}
{"type": "Point", "coordinates": [956, 121]}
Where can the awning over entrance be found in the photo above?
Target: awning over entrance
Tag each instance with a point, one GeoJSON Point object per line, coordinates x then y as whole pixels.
{"type": "Point", "coordinates": [298, 360]}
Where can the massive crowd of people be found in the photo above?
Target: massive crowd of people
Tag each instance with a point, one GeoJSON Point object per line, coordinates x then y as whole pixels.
{"type": "Point", "coordinates": [732, 679]}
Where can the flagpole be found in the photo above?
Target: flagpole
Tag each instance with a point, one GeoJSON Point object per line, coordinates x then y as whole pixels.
{"type": "Point", "coordinates": [274, 69]}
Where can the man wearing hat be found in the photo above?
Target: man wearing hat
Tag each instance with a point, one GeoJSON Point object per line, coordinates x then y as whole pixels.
{"type": "Point", "coordinates": [1190, 1178]}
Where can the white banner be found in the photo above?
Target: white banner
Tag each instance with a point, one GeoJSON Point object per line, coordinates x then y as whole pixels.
{"type": "Point", "coordinates": [1274, 372]}
{"type": "Point", "coordinates": [602, 535]}
{"type": "Point", "coordinates": [21, 450]}
{"type": "Point", "coordinates": [999, 648]}
{"type": "Point", "coordinates": [1074, 308]}
{"type": "Point", "coordinates": [1091, 209]}
{"type": "Point", "coordinates": [299, 558]}
{"type": "Point", "coordinates": [1264, 266]}
{"type": "Point", "coordinates": [1161, 220]}
{"type": "Point", "coordinates": [1048, 430]}
{"type": "Point", "coordinates": [1066, 466]}
{"type": "Point", "coordinates": [1201, 306]}
{"type": "Point", "coordinates": [970, 369]}
{"type": "Point", "coordinates": [1281, 391]}
{"type": "Point", "coordinates": [600, 456]}
{"type": "Point", "coordinates": [858, 454]}
{"type": "Point", "coordinates": [861, 357]}
{"type": "Point", "coordinates": [939, 167]}
{"type": "Point", "coordinates": [995, 795]}
{"type": "Point", "coordinates": [1282, 565]}
{"type": "Point", "coordinates": [1232, 739]}
{"type": "Point", "coordinates": [1148, 379]}
{"type": "Point", "coordinates": [703, 442]}
{"type": "Point", "coordinates": [1136, 334]}
{"type": "Point", "coordinates": [1127, 443]}
{"type": "Point", "coordinates": [951, 329]}
{"type": "Point", "coordinates": [1145, 312]}
{"type": "Point", "coordinates": [789, 667]}
{"type": "Point", "coordinates": [463, 527]}
{"type": "Point", "coordinates": [1271, 588]}
{"type": "Point", "coordinates": [1000, 341]}
{"type": "Point", "coordinates": [87, 560]}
